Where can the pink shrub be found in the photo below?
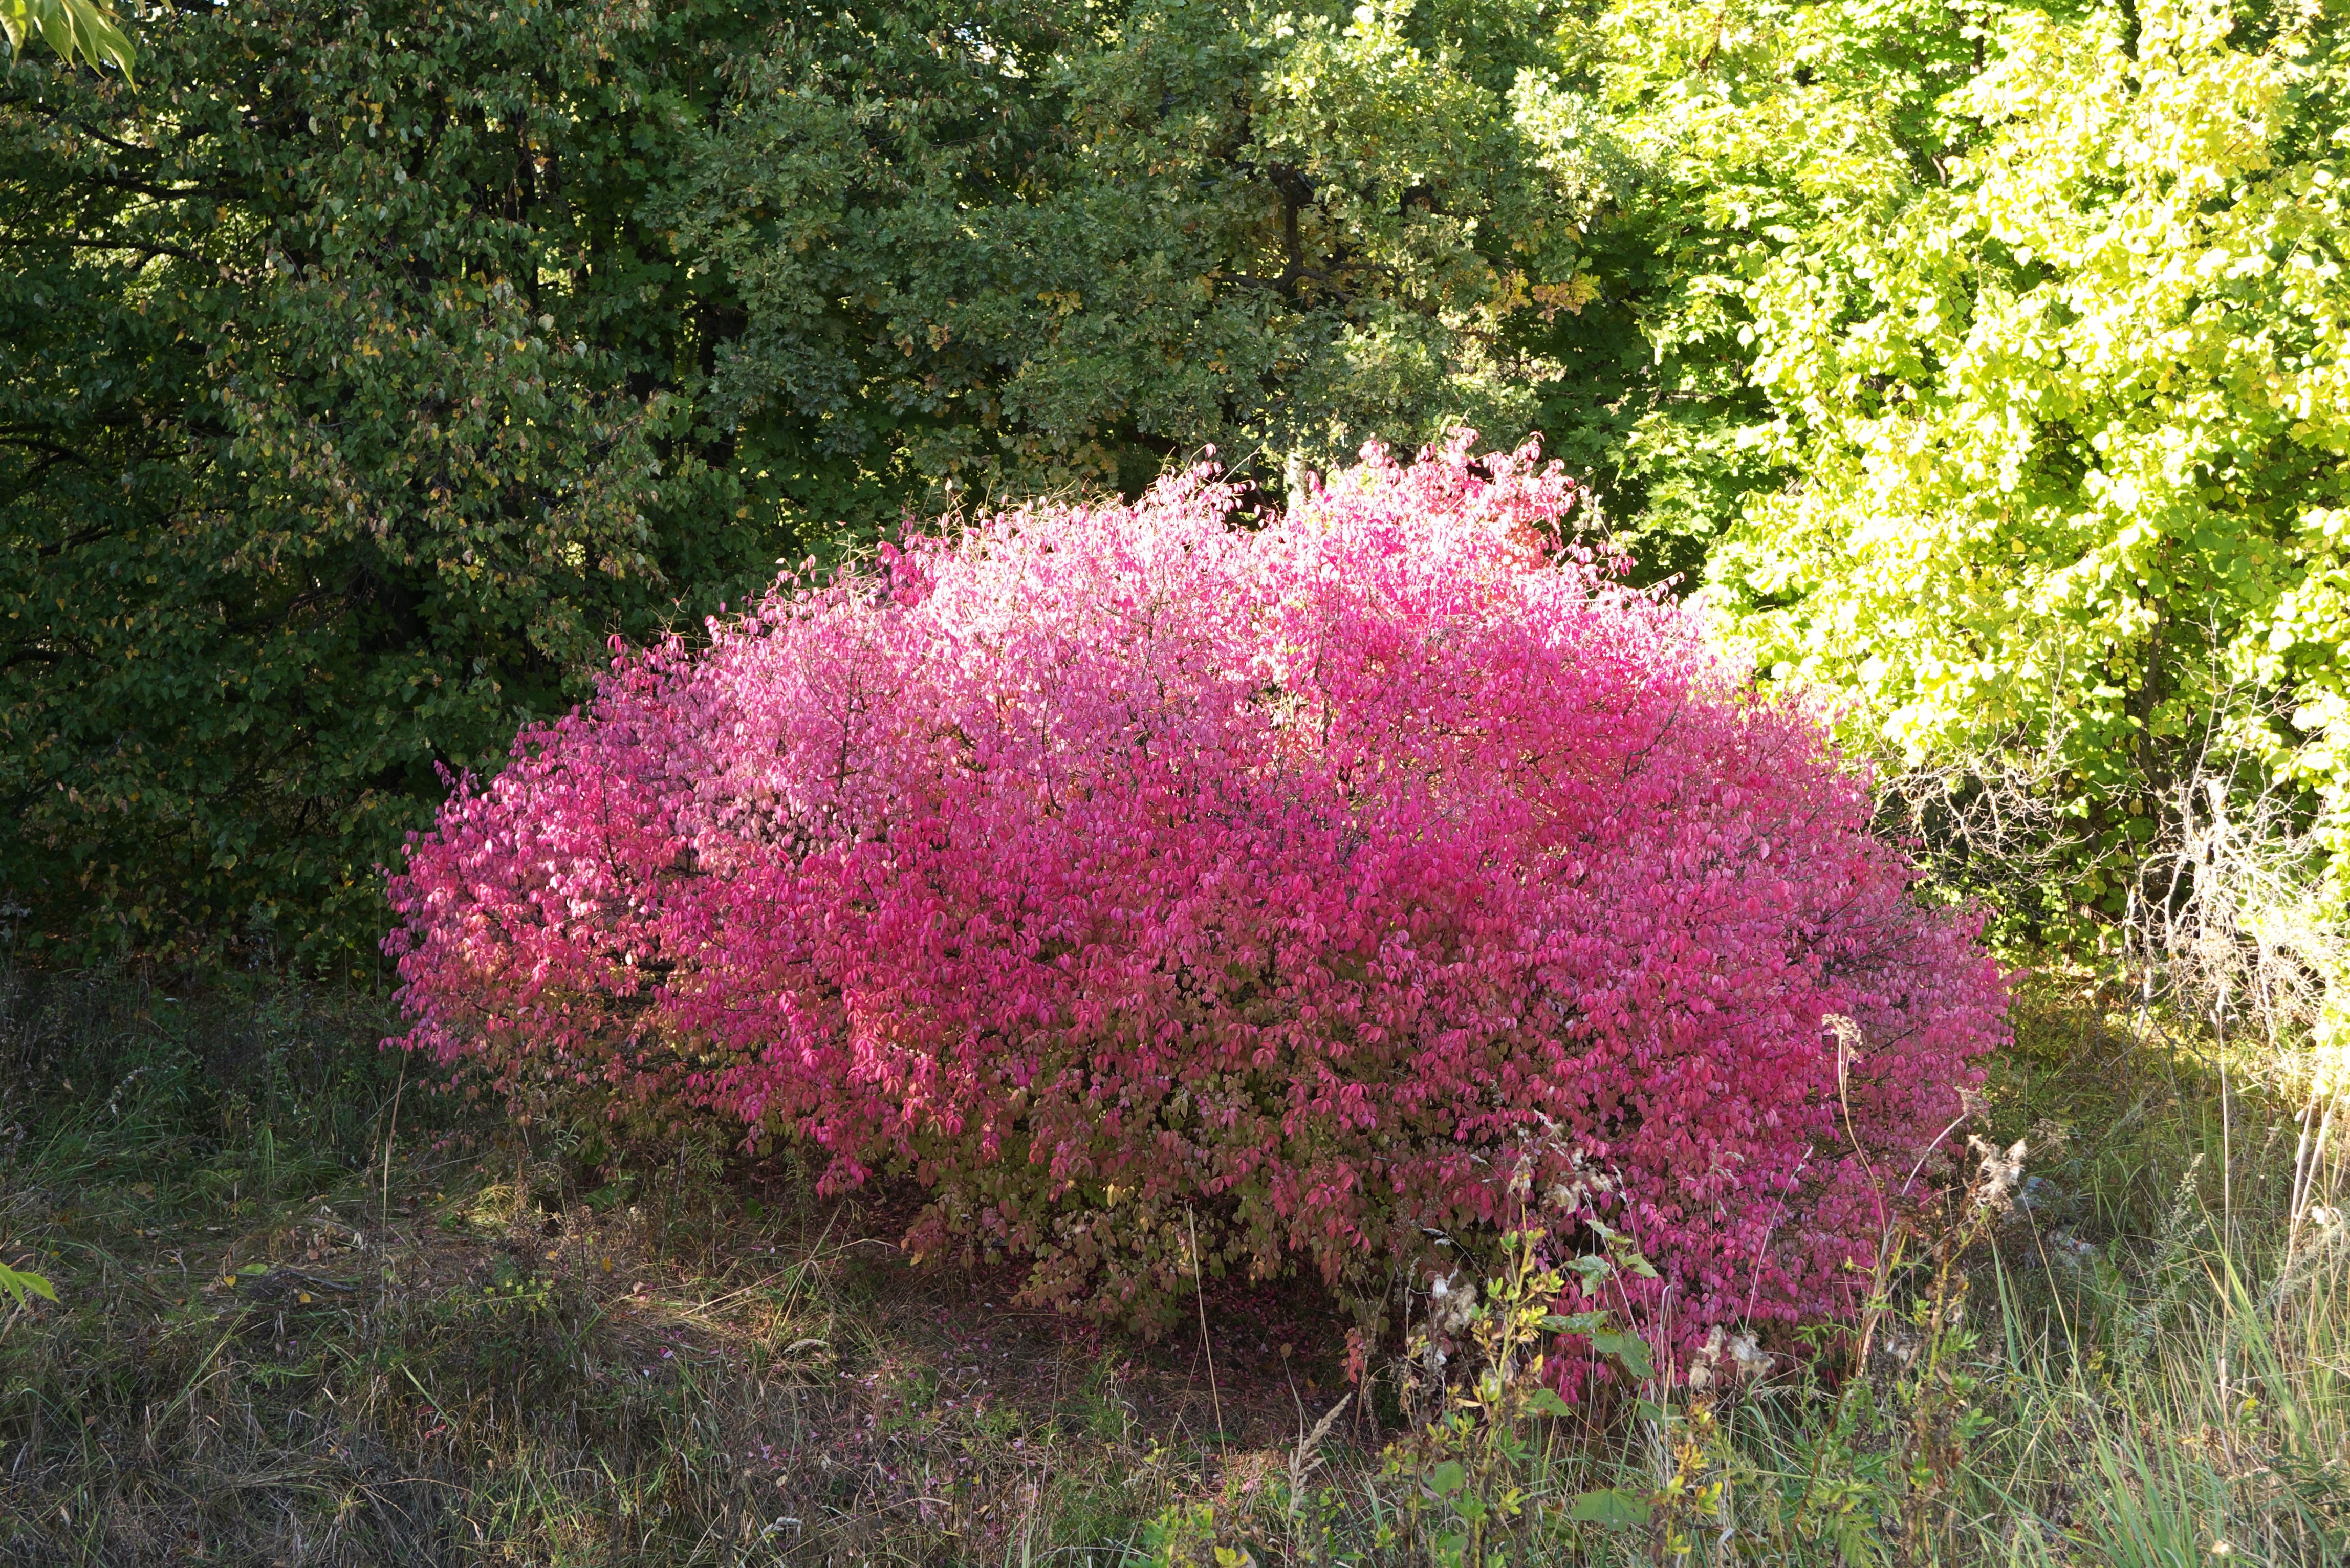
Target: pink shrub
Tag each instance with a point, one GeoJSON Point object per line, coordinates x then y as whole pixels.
{"type": "Point", "coordinates": [1118, 870]}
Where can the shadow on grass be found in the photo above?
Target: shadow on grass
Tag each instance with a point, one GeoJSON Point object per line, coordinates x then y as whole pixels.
{"type": "Point", "coordinates": [315, 1312]}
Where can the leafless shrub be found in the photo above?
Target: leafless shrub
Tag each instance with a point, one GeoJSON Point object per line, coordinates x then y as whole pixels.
{"type": "Point", "coordinates": [2228, 927]}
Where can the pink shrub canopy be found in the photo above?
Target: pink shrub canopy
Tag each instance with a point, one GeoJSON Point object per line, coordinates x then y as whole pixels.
{"type": "Point", "coordinates": [1115, 870]}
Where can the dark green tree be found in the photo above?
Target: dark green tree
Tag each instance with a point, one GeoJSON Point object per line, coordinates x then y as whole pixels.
{"type": "Point", "coordinates": [372, 365]}
{"type": "Point", "coordinates": [336, 430]}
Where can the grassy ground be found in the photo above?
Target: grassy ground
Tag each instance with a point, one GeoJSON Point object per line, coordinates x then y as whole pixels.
{"type": "Point", "coordinates": [312, 1312]}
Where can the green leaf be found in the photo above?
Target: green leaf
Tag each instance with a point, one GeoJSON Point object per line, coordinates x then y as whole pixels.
{"type": "Point", "coordinates": [1628, 1348]}
{"type": "Point", "coordinates": [1546, 1402]}
{"type": "Point", "coordinates": [80, 29]}
{"type": "Point", "coordinates": [1626, 1255]}
{"type": "Point", "coordinates": [1610, 1506]}
{"type": "Point", "coordinates": [1575, 1323]}
{"type": "Point", "coordinates": [18, 1283]}
{"type": "Point", "coordinates": [612, 1195]}
{"type": "Point", "coordinates": [1447, 1478]}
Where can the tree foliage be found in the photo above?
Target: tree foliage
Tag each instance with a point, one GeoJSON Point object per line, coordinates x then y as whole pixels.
{"type": "Point", "coordinates": [1139, 882]}
{"type": "Point", "coordinates": [2050, 363]}
{"type": "Point", "coordinates": [1077, 253]}
{"type": "Point", "coordinates": [323, 462]}
{"type": "Point", "coordinates": [372, 366]}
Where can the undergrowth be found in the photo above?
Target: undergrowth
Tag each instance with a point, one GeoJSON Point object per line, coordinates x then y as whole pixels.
{"type": "Point", "coordinates": [311, 1311]}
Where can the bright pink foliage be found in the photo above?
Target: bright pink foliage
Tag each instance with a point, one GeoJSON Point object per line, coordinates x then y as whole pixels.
{"type": "Point", "coordinates": [1119, 869]}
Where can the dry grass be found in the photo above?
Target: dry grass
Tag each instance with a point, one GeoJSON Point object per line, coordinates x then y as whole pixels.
{"type": "Point", "coordinates": [311, 1314]}
{"type": "Point", "coordinates": [418, 1341]}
